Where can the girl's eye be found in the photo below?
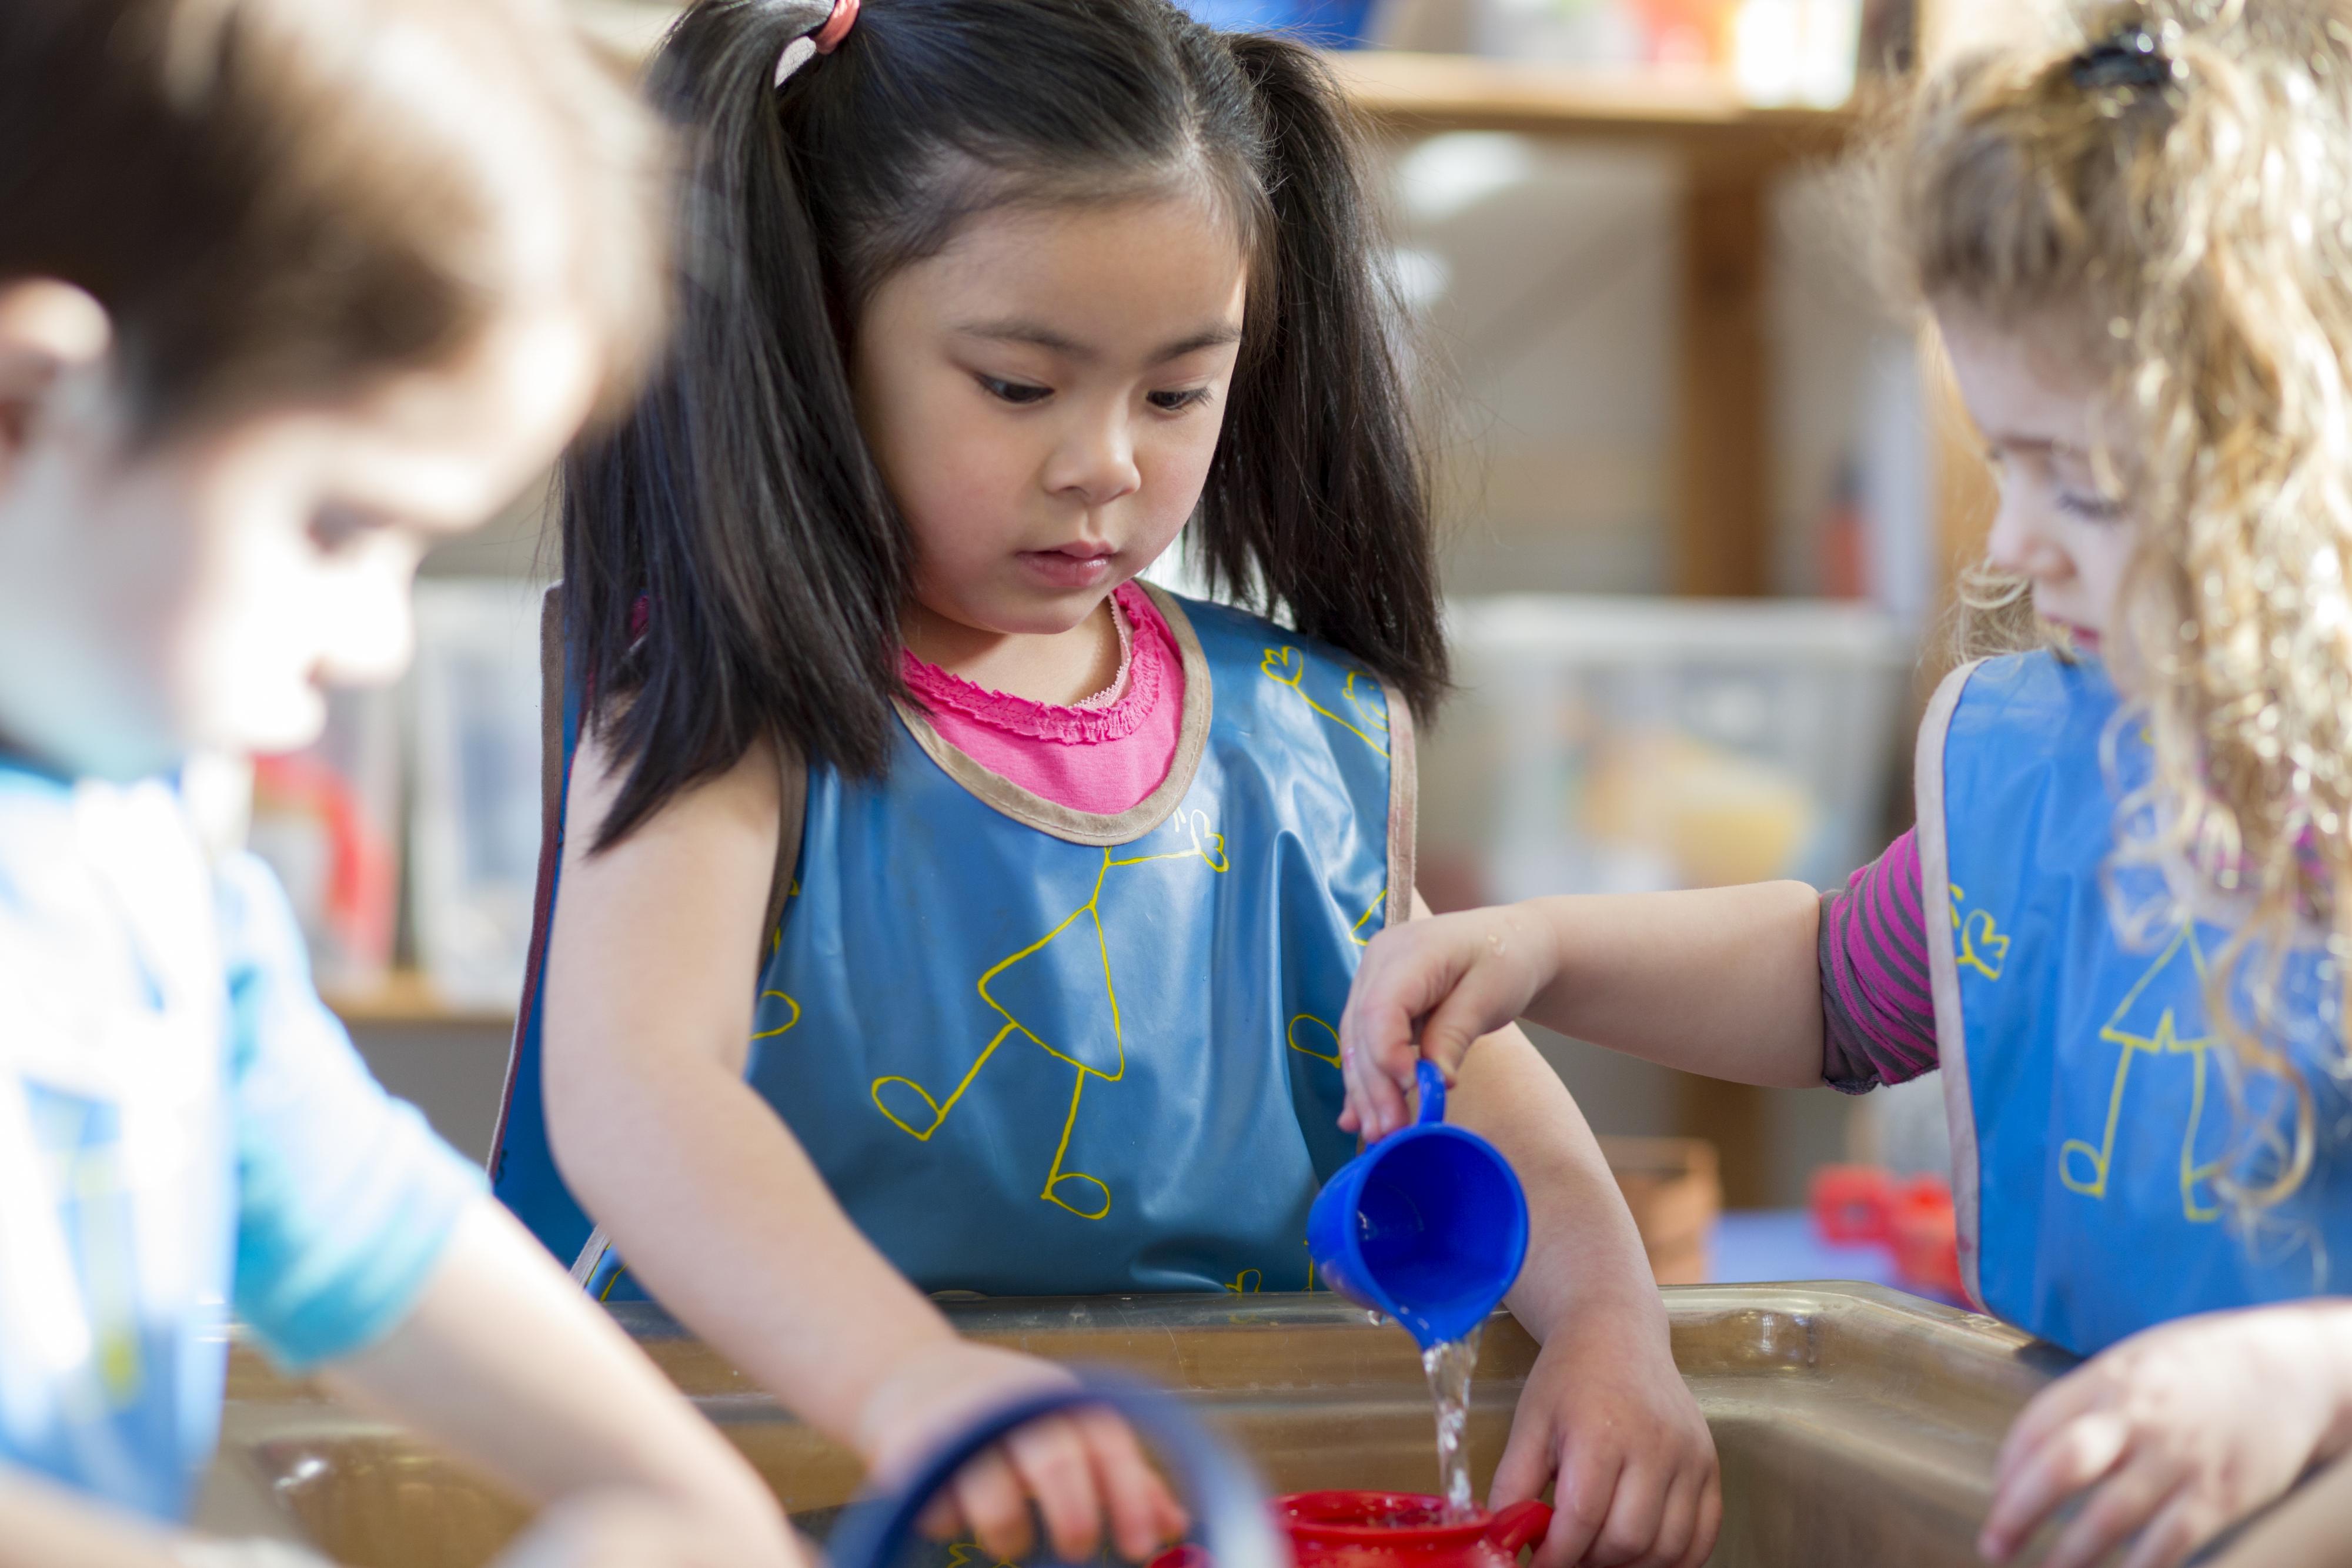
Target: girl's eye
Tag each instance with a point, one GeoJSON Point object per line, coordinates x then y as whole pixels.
{"type": "Point", "coordinates": [1020, 394]}
{"type": "Point", "coordinates": [1178, 402]}
{"type": "Point", "coordinates": [2091, 508]}
{"type": "Point", "coordinates": [334, 529]}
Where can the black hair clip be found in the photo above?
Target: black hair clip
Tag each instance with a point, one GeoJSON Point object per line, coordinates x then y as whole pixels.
{"type": "Point", "coordinates": [2132, 57]}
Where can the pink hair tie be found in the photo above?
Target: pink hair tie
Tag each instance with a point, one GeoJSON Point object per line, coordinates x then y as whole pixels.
{"type": "Point", "coordinates": [824, 41]}
{"type": "Point", "coordinates": [836, 26]}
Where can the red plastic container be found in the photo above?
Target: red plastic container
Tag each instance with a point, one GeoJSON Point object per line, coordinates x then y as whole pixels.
{"type": "Point", "coordinates": [1390, 1530]}
{"type": "Point", "coordinates": [1853, 1205]}
{"type": "Point", "coordinates": [1926, 1237]}
{"type": "Point", "coordinates": [1912, 1220]}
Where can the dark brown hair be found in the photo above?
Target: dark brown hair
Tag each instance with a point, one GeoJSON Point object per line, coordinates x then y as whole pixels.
{"type": "Point", "coordinates": [739, 496]}
{"type": "Point", "coordinates": [280, 199]}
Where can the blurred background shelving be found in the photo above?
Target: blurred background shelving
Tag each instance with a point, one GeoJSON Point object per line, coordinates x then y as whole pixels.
{"type": "Point", "coordinates": [1702, 496]}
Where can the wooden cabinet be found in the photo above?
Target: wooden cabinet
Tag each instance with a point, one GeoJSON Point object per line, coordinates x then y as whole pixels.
{"type": "Point", "coordinates": [1720, 507]}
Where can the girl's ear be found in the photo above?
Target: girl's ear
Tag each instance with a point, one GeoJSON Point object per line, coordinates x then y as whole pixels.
{"type": "Point", "coordinates": [48, 332]}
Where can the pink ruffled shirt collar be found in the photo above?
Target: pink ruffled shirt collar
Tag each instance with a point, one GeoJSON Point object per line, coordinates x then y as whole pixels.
{"type": "Point", "coordinates": [1114, 715]}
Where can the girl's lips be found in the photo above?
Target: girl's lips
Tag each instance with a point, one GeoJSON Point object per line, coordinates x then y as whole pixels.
{"type": "Point", "coordinates": [1062, 569]}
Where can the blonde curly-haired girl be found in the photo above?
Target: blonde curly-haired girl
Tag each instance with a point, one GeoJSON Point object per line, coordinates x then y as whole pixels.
{"type": "Point", "coordinates": [2120, 922]}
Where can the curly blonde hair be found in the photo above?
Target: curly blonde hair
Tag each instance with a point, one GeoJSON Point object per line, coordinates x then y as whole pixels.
{"type": "Point", "coordinates": [2160, 192]}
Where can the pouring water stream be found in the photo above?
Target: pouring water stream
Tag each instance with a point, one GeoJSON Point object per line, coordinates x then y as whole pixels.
{"type": "Point", "coordinates": [1449, 1367]}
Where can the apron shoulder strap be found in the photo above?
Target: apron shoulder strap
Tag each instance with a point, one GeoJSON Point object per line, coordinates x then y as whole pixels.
{"type": "Point", "coordinates": [791, 792]}
{"type": "Point", "coordinates": [551, 710]}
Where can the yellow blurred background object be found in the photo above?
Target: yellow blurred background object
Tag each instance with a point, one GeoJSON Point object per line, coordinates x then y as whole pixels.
{"type": "Point", "coordinates": [1714, 817]}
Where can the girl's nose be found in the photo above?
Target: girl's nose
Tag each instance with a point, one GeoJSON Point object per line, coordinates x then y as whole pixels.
{"type": "Point", "coordinates": [1094, 463]}
{"type": "Point", "coordinates": [2021, 546]}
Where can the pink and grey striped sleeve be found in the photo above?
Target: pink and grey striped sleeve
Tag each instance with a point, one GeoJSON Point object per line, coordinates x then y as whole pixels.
{"type": "Point", "coordinates": [1877, 1012]}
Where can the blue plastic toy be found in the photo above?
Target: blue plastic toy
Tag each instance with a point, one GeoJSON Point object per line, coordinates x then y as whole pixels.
{"type": "Point", "coordinates": [1230, 1514]}
{"type": "Point", "coordinates": [1429, 1226]}
{"type": "Point", "coordinates": [1332, 24]}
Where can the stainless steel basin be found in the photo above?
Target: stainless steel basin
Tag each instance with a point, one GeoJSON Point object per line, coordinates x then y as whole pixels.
{"type": "Point", "coordinates": [1857, 1425]}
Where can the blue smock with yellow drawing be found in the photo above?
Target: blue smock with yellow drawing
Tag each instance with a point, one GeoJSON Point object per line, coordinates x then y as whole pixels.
{"type": "Point", "coordinates": [2092, 1123]}
{"type": "Point", "coordinates": [1037, 1050]}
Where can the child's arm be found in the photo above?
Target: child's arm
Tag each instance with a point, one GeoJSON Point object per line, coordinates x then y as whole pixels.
{"type": "Point", "coordinates": [504, 1360]}
{"type": "Point", "coordinates": [1723, 982]}
{"type": "Point", "coordinates": [2307, 1530]}
{"type": "Point", "coordinates": [366, 1251]}
{"type": "Point", "coordinates": [1604, 1411]}
{"type": "Point", "coordinates": [653, 965]}
{"type": "Point", "coordinates": [2176, 1434]}
{"type": "Point", "coordinates": [43, 1525]}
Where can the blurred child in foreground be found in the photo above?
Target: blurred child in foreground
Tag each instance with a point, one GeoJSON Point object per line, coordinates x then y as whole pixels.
{"type": "Point", "coordinates": [288, 288]}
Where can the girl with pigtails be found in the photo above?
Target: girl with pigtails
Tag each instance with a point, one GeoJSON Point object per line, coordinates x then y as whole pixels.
{"type": "Point", "coordinates": [2120, 925]}
{"type": "Point", "coordinates": [932, 906]}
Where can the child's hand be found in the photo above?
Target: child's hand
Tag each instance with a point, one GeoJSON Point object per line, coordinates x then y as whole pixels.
{"type": "Point", "coordinates": [1441, 982]}
{"type": "Point", "coordinates": [1077, 1467]}
{"type": "Point", "coordinates": [1605, 1411]}
{"type": "Point", "coordinates": [2176, 1434]}
{"type": "Point", "coordinates": [626, 1530]}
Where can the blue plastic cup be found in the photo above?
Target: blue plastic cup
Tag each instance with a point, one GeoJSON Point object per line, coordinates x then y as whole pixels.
{"type": "Point", "coordinates": [1429, 1226]}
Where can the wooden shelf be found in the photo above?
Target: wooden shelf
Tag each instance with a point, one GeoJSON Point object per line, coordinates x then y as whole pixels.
{"type": "Point", "coordinates": [408, 999]}
{"type": "Point", "coordinates": [624, 31]}
{"type": "Point", "coordinates": [1697, 113]}
{"type": "Point", "coordinates": [1425, 93]}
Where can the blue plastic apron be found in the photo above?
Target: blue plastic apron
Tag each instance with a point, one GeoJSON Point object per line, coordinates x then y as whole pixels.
{"type": "Point", "coordinates": [1036, 1050]}
{"type": "Point", "coordinates": [2089, 1113]}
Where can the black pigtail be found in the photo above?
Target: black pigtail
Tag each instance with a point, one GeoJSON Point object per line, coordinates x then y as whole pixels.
{"type": "Point", "coordinates": [1319, 501]}
{"type": "Point", "coordinates": [736, 500]}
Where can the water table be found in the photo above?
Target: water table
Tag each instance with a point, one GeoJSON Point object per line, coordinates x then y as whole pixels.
{"type": "Point", "coordinates": [1857, 1425]}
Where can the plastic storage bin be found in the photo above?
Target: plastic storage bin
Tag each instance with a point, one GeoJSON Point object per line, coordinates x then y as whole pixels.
{"type": "Point", "coordinates": [475, 813]}
{"type": "Point", "coordinates": [1633, 744]}
{"type": "Point", "coordinates": [1332, 24]}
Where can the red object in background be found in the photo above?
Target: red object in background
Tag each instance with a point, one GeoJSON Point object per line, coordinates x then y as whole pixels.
{"type": "Point", "coordinates": [1390, 1530]}
{"type": "Point", "coordinates": [1914, 1220]}
{"type": "Point", "coordinates": [1844, 551]}
{"type": "Point", "coordinates": [1688, 33]}
{"type": "Point", "coordinates": [1926, 1235]}
{"type": "Point", "coordinates": [1853, 1205]}
{"type": "Point", "coordinates": [360, 893]}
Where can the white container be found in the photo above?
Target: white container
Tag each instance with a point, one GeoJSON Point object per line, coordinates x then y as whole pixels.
{"type": "Point", "coordinates": [1631, 744]}
{"type": "Point", "coordinates": [1797, 51]}
{"type": "Point", "coordinates": [1601, 33]}
{"type": "Point", "coordinates": [474, 823]}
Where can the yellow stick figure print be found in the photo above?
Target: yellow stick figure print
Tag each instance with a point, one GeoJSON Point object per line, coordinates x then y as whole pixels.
{"type": "Point", "coordinates": [1084, 924]}
{"type": "Point", "coordinates": [1287, 667]}
{"type": "Point", "coordinates": [791, 1021]}
{"type": "Point", "coordinates": [2083, 1169]}
{"type": "Point", "coordinates": [1308, 1046]}
{"type": "Point", "coordinates": [1982, 946]}
{"type": "Point", "coordinates": [970, 1554]}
